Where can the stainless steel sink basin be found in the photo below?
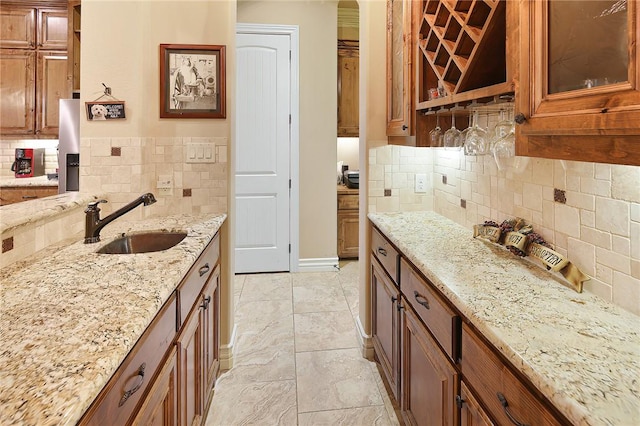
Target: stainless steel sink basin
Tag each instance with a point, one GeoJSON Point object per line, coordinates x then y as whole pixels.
{"type": "Point", "coordinates": [145, 242]}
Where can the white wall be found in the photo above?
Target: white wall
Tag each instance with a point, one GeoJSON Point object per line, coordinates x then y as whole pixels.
{"type": "Point", "coordinates": [318, 105]}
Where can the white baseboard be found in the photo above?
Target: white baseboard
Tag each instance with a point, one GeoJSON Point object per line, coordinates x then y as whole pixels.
{"type": "Point", "coordinates": [226, 352]}
{"type": "Point", "coordinates": [365, 341]}
{"type": "Point", "coordinates": [327, 264]}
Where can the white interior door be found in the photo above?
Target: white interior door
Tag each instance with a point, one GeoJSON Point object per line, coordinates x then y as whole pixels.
{"type": "Point", "coordinates": [262, 171]}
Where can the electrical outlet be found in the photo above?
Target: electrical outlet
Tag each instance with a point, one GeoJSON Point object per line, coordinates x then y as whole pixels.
{"type": "Point", "coordinates": [164, 182]}
{"type": "Point", "coordinates": [421, 183]}
{"type": "Point", "coordinates": [444, 179]}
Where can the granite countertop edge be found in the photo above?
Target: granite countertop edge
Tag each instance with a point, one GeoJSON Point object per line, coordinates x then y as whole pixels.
{"type": "Point", "coordinates": [581, 352]}
{"type": "Point", "coordinates": [65, 328]}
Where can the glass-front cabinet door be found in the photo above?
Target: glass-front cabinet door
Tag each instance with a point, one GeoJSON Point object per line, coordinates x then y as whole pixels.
{"type": "Point", "coordinates": [579, 96]}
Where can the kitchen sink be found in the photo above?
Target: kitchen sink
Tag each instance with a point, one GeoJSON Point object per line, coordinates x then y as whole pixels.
{"type": "Point", "coordinates": [144, 242]}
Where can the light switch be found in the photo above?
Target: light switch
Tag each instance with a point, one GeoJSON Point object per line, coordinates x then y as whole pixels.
{"type": "Point", "coordinates": [200, 153]}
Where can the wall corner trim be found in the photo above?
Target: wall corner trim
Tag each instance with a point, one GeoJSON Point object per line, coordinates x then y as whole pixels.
{"type": "Point", "coordinates": [327, 264]}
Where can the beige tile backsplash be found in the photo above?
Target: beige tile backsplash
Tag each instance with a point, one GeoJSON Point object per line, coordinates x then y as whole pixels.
{"type": "Point", "coordinates": [142, 162]}
{"type": "Point", "coordinates": [598, 228]}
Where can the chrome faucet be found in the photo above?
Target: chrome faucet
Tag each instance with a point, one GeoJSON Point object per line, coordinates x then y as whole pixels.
{"type": "Point", "coordinates": [93, 223]}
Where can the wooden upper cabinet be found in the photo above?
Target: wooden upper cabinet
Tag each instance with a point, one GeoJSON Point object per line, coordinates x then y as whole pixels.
{"type": "Point", "coordinates": [52, 29]}
{"type": "Point", "coordinates": [17, 91]}
{"type": "Point", "coordinates": [51, 86]}
{"type": "Point", "coordinates": [17, 28]}
{"type": "Point", "coordinates": [579, 98]}
{"type": "Point", "coordinates": [348, 89]}
{"type": "Point", "coordinates": [399, 68]}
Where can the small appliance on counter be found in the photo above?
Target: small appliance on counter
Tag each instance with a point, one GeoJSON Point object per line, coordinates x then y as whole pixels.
{"type": "Point", "coordinates": [29, 162]}
{"type": "Point", "coordinates": [351, 178]}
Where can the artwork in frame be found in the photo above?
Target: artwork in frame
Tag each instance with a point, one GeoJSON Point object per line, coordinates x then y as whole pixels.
{"type": "Point", "coordinates": [192, 81]}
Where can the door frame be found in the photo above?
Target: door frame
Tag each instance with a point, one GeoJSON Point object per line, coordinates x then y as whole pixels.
{"type": "Point", "coordinates": [294, 130]}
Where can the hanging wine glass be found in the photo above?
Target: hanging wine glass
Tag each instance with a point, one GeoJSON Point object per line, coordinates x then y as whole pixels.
{"type": "Point", "coordinates": [504, 149]}
{"type": "Point", "coordinates": [463, 134]}
{"type": "Point", "coordinates": [452, 139]}
{"type": "Point", "coordinates": [475, 142]}
{"type": "Point", "coordinates": [435, 135]}
{"type": "Point", "coordinates": [501, 129]}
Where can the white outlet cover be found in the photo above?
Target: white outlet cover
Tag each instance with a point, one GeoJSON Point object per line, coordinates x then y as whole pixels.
{"type": "Point", "coordinates": [420, 183]}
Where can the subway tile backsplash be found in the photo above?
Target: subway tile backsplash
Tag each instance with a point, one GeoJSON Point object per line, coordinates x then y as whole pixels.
{"type": "Point", "coordinates": [598, 227]}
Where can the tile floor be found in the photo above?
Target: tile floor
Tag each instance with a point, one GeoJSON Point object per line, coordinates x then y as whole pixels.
{"type": "Point", "coordinates": [297, 360]}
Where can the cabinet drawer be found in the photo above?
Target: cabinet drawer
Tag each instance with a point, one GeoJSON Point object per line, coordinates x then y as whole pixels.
{"type": "Point", "coordinates": [347, 202]}
{"type": "Point", "coordinates": [191, 286]}
{"type": "Point", "coordinates": [119, 399]}
{"type": "Point", "coordinates": [441, 320]}
{"type": "Point", "coordinates": [386, 254]}
{"type": "Point", "coordinates": [502, 393]}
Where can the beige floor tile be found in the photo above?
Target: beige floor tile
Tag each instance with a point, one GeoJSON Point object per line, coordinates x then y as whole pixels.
{"type": "Point", "coordinates": [266, 287]}
{"type": "Point", "coordinates": [317, 331]}
{"type": "Point", "coordinates": [315, 278]}
{"type": "Point", "coordinates": [388, 405]}
{"type": "Point", "coordinates": [352, 296]}
{"type": "Point", "coordinates": [253, 315]}
{"type": "Point", "coordinates": [369, 416]}
{"type": "Point", "coordinates": [318, 298]}
{"type": "Point", "coordinates": [272, 403]}
{"type": "Point", "coordinates": [333, 380]}
{"type": "Point", "coordinates": [238, 284]}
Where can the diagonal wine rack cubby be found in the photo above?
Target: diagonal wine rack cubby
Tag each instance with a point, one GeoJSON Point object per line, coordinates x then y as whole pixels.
{"type": "Point", "coordinates": [462, 45]}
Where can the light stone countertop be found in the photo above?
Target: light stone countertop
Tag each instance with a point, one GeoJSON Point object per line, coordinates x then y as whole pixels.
{"type": "Point", "coordinates": [580, 351]}
{"type": "Point", "coordinates": [33, 181]}
{"type": "Point", "coordinates": [69, 316]}
{"type": "Point", "coordinates": [32, 211]}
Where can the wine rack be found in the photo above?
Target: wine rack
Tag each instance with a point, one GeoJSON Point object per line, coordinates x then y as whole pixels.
{"type": "Point", "coordinates": [462, 49]}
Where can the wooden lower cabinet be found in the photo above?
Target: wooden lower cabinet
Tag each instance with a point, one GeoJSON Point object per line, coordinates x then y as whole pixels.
{"type": "Point", "coordinates": [348, 223]}
{"type": "Point", "coordinates": [385, 325]}
{"type": "Point", "coordinates": [429, 381]}
{"type": "Point", "coordinates": [198, 359]}
{"type": "Point", "coordinates": [471, 413]}
{"type": "Point", "coordinates": [160, 408]}
{"type": "Point", "coordinates": [17, 194]}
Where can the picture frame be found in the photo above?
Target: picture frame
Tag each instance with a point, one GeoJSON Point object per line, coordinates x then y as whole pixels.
{"type": "Point", "coordinates": [192, 81]}
{"type": "Point", "coordinates": [97, 111]}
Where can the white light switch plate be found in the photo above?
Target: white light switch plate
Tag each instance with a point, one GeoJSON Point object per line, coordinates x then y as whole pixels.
{"type": "Point", "coordinates": [200, 153]}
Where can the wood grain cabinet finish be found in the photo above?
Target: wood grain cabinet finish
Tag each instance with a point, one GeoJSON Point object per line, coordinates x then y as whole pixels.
{"type": "Point", "coordinates": [17, 194]}
{"type": "Point", "coordinates": [506, 398]}
{"type": "Point", "coordinates": [160, 407]}
{"type": "Point", "coordinates": [348, 89]}
{"type": "Point", "coordinates": [400, 108]}
{"type": "Point", "coordinates": [387, 255]}
{"type": "Point", "coordinates": [579, 97]}
{"type": "Point", "coordinates": [429, 380]}
{"type": "Point", "coordinates": [348, 223]}
{"type": "Point", "coordinates": [385, 298]}
{"type": "Point", "coordinates": [471, 413]}
{"type": "Point", "coordinates": [33, 60]}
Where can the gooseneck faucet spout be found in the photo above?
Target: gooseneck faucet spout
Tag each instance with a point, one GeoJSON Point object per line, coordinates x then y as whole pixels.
{"type": "Point", "coordinates": [93, 223]}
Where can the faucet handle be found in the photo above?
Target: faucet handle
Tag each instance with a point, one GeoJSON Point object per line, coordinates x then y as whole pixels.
{"type": "Point", "coordinates": [94, 205]}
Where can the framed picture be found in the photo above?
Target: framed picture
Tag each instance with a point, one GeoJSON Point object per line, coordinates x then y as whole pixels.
{"type": "Point", "coordinates": [97, 111]}
{"type": "Point", "coordinates": [192, 81]}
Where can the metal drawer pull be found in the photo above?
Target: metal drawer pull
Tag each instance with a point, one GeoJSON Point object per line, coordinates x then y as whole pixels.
{"type": "Point", "coordinates": [205, 302]}
{"type": "Point", "coordinates": [382, 251]}
{"type": "Point", "coordinates": [505, 406]}
{"type": "Point", "coordinates": [137, 386]}
{"type": "Point", "coordinates": [421, 299]}
{"type": "Point", "coordinates": [203, 270]}
{"type": "Point", "coordinates": [29, 197]}
{"type": "Point", "coordinates": [459, 401]}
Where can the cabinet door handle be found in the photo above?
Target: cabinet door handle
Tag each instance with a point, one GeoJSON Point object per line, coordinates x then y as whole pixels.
{"type": "Point", "coordinates": [382, 251]}
{"type": "Point", "coordinates": [136, 387]}
{"type": "Point", "coordinates": [404, 127]}
{"type": "Point", "coordinates": [205, 302]}
{"type": "Point", "coordinates": [505, 406]}
{"type": "Point", "coordinates": [459, 401]}
{"type": "Point", "coordinates": [203, 270]}
{"type": "Point", "coordinates": [421, 299]}
{"type": "Point", "coordinates": [520, 118]}
{"type": "Point", "coordinates": [29, 197]}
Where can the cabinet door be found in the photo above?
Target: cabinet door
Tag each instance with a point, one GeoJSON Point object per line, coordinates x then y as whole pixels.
{"type": "Point", "coordinates": [348, 92]}
{"type": "Point", "coordinates": [17, 91]}
{"type": "Point", "coordinates": [160, 408]}
{"type": "Point", "coordinates": [429, 381]}
{"type": "Point", "coordinates": [471, 413]}
{"type": "Point", "coordinates": [580, 94]}
{"type": "Point", "coordinates": [348, 234]}
{"type": "Point", "coordinates": [50, 88]}
{"type": "Point", "coordinates": [385, 322]}
{"type": "Point", "coordinates": [399, 66]}
{"type": "Point", "coordinates": [211, 332]}
{"type": "Point", "coordinates": [52, 29]}
{"type": "Point", "coordinates": [190, 370]}
{"type": "Point", "coordinates": [17, 27]}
